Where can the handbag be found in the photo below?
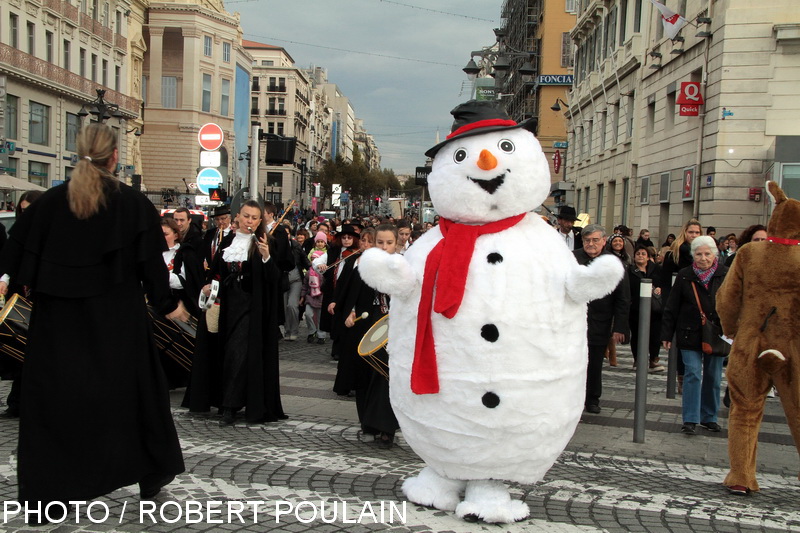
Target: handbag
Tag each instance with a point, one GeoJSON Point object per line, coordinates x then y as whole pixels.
{"type": "Point", "coordinates": [712, 342]}
{"type": "Point", "coordinates": [656, 304]}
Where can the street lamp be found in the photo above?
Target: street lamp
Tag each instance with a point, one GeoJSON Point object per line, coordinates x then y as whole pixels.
{"type": "Point", "coordinates": [100, 109]}
{"type": "Point", "coordinates": [556, 107]}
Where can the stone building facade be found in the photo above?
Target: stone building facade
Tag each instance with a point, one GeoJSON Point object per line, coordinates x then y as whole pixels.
{"type": "Point", "coordinates": [636, 159]}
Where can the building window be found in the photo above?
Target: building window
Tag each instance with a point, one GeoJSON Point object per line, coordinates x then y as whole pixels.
{"type": "Point", "coordinates": [602, 127]}
{"type": "Point", "coordinates": [31, 38]}
{"type": "Point", "coordinates": [612, 32]}
{"type": "Point", "coordinates": [48, 42]}
{"type": "Point", "coordinates": [630, 116]}
{"type": "Point", "coordinates": [37, 173]}
{"type": "Point", "coordinates": [82, 61]}
{"type": "Point", "coordinates": [270, 127]}
{"type": "Point", "coordinates": [254, 105]}
{"type": "Point", "coordinates": [282, 84]}
{"type": "Point", "coordinates": [169, 92]}
{"type": "Point", "coordinates": [106, 17]}
{"type": "Point", "coordinates": [39, 123]}
{"type": "Point", "coordinates": [790, 180]}
{"type": "Point", "coordinates": [625, 194]}
{"type": "Point", "coordinates": [118, 27]}
{"type": "Point", "coordinates": [66, 48]}
{"type": "Point", "coordinates": [206, 46]}
{"type": "Point", "coordinates": [226, 52]}
{"type": "Point", "coordinates": [589, 139]}
{"type": "Point", "coordinates": [267, 63]}
{"type": "Point", "coordinates": [566, 50]}
{"type": "Point", "coordinates": [94, 67]}
{"type": "Point", "coordinates": [600, 189]}
{"type": "Point", "coordinates": [571, 6]}
{"type": "Point", "coordinates": [12, 117]}
{"type": "Point", "coordinates": [13, 30]}
{"type": "Point", "coordinates": [651, 118]}
{"type": "Point", "coordinates": [105, 73]}
{"type": "Point", "coordinates": [206, 93]}
{"type": "Point", "coordinates": [117, 74]}
{"type": "Point", "coordinates": [644, 193]}
{"type": "Point", "coordinates": [614, 124]}
{"type": "Point", "coordinates": [669, 116]}
{"type": "Point", "coordinates": [280, 128]}
{"type": "Point", "coordinates": [623, 20]}
{"type": "Point", "coordinates": [225, 97]}
{"type": "Point", "coordinates": [13, 165]}
{"type": "Point", "coordinates": [71, 133]}
{"type": "Point", "coordinates": [586, 200]}
{"type": "Point", "coordinates": [95, 10]}
{"type": "Point", "coordinates": [274, 179]}
{"type": "Point", "coordinates": [144, 89]}
{"type": "Point", "coordinates": [637, 16]}
{"type": "Point", "coordinates": [281, 106]}
{"type": "Point", "coordinates": [663, 191]}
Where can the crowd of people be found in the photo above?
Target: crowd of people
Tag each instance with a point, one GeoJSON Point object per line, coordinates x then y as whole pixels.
{"type": "Point", "coordinates": [686, 272]}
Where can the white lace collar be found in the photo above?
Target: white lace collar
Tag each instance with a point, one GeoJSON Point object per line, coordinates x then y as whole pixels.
{"type": "Point", "coordinates": [238, 249]}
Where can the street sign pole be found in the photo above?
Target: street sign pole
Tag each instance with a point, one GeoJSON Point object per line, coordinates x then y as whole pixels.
{"type": "Point", "coordinates": [255, 153]}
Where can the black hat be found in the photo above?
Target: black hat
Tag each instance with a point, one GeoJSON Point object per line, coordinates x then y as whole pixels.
{"type": "Point", "coordinates": [568, 213]}
{"type": "Point", "coordinates": [221, 210]}
{"type": "Point", "coordinates": [477, 117]}
{"type": "Point", "coordinates": [348, 229]}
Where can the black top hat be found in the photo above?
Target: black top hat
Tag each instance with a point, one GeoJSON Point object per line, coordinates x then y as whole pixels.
{"type": "Point", "coordinates": [568, 213]}
{"type": "Point", "coordinates": [221, 210]}
{"type": "Point", "coordinates": [477, 117]}
{"type": "Point", "coordinates": [348, 229]}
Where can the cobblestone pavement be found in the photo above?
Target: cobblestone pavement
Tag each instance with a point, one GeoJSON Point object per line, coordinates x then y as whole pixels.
{"type": "Point", "coordinates": [318, 462]}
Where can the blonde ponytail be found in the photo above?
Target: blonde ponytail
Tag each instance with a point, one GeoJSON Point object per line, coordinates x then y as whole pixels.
{"type": "Point", "coordinates": [86, 195]}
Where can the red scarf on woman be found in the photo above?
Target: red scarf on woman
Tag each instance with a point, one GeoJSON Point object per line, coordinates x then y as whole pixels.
{"type": "Point", "coordinates": [446, 271]}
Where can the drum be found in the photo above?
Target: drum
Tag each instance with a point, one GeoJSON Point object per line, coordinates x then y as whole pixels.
{"type": "Point", "coordinates": [174, 338]}
{"type": "Point", "coordinates": [14, 320]}
{"type": "Point", "coordinates": [370, 347]}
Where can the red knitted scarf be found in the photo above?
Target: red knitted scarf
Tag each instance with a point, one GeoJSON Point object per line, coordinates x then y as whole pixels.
{"type": "Point", "coordinates": [446, 270]}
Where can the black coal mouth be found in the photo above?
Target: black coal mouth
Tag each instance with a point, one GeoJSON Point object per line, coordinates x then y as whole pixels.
{"type": "Point", "coordinates": [491, 185]}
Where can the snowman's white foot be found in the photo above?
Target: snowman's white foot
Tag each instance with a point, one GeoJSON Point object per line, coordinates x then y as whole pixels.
{"type": "Point", "coordinates": [432, 490]}
{"type": "Point", "coordinates": [490, 501]}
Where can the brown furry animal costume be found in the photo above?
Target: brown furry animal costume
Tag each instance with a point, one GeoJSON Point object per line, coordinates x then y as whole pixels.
{"type": "Point", "coordinates": [759, 304]}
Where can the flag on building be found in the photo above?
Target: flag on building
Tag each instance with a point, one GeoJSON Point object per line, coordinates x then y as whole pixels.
{"type": "Point", "coordinates": [672, 21]}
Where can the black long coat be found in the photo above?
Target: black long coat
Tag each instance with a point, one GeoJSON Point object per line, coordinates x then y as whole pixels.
{"type": "Point", "coordinates": [95, 412]}
{"type": "Point", "coordinates": [608, 314]}
{"type": "Point", "coordinates": [262, 382]}
{"type": "Point", "coordinates": [681, 314]}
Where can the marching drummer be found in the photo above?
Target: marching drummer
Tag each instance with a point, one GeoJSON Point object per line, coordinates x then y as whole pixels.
{"type": "Point", "coordinates": [372, 387]}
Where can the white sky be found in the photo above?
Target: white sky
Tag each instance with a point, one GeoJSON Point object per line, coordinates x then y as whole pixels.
{"type": "Point", "coordinates": [401, 102]}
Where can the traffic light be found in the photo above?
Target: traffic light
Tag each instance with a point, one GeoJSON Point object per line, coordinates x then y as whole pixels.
{"type": "Point", "coordinates": [217, 195]}
{"type": "Point", "coordinates": [377, 201]}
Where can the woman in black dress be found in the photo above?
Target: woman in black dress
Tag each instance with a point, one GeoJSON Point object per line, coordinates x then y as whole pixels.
{"type": "Point", "coordinates": [95, 413]}
{"type": "Point", "coordinates": [250, 300]}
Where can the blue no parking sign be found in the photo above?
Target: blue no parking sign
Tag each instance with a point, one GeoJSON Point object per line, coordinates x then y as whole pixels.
{"type": "Point", "coordinates": [207, 179]}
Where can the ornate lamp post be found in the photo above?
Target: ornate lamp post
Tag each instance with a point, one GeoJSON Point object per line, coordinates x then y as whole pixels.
{"type": "Point", "coordinates": [100, 109]}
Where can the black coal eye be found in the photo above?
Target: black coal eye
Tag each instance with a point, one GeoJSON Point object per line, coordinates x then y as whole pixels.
{"type": "Point", "coordinates": [506, 146]}
{"type": "Point", "coordinates": [460, 155]}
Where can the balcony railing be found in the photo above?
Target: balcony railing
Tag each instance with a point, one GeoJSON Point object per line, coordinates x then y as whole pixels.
{"type": "Point", "coordinates": [120, 42]}
{"type": "Point", "coordinates": [69, 11]}
{"type": "Point", "coordinates": [273, 111]}
{"type": "Point", "coordinates": [254, 111]}
{"type": "Point", "coordinates": [256, 86]}
{"type": "Point", "coordinates": [277, 88]}
{"type": "Point", "coordinates": [40, 71]}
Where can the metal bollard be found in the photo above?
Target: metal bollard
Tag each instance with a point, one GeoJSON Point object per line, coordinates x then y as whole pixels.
{"type": "Point", "coordinates": [642, 360]}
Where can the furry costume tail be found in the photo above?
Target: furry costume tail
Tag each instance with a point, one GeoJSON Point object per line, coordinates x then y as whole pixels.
{"type": "Point", "coordinates": [771, 361]}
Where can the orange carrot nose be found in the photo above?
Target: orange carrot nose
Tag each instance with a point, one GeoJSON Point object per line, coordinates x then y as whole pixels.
{"type": "Point", "coordinates": [487, 161]}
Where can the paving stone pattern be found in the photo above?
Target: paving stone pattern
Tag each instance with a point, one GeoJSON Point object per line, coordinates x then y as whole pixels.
{"type": "Point", "coordinates": [318, 460]}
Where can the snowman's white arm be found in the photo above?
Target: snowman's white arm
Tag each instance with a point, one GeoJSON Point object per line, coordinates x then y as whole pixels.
{"type": "Point", "coordinates": [593, 281]}
{"type": "Point", "coordinates": [387, 273]}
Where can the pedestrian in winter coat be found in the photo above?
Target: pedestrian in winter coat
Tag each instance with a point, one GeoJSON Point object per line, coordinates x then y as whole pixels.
{"type": "Point", "coordinates": [701, 389]}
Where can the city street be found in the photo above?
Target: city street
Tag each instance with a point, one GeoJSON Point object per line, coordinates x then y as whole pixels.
{"type": "Point", "coordinates": [602, 482]}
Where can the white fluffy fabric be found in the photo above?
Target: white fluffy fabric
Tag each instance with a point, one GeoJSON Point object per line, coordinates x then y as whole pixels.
{"type": "Point", "coordinates": [595, 280]}
{"type": "Point", "coordinates": [388, 273]}
{"type": "Point", "coordinates": [528, 285]}
{"type": "Point", "coordinates": [239, 249]}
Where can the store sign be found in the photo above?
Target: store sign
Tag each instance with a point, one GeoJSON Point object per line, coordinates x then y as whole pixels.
{"type": "Point", "coordinates": [485, 89]}
{"type": "Point", "coordinates": [554, 79]}
{"type": "Point", "coordinates": [557, 161]}
{"type": "Point", "coordinates": [689, 110]}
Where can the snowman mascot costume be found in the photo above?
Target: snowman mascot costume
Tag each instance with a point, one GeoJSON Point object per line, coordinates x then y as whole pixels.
{"type": "Point", "coordinates": [487, 335]}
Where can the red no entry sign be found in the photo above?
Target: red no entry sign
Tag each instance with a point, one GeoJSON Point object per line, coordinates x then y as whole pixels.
{"type": "Point", "coordinates": [210, 136]}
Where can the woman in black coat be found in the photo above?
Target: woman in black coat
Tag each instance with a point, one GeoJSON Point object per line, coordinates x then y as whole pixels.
{"type": "Point", "coordinates": [95, 413]}
{"type": "Point", "coordinates": [701, 381]}
{"type": "Point", "coordinates": [644, 267]}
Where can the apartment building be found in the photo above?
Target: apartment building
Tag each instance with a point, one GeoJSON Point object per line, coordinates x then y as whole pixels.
{"type": "Point", "coordinates": [54, 55]}
{"type": "Point", "coordinates": [281, 104]}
